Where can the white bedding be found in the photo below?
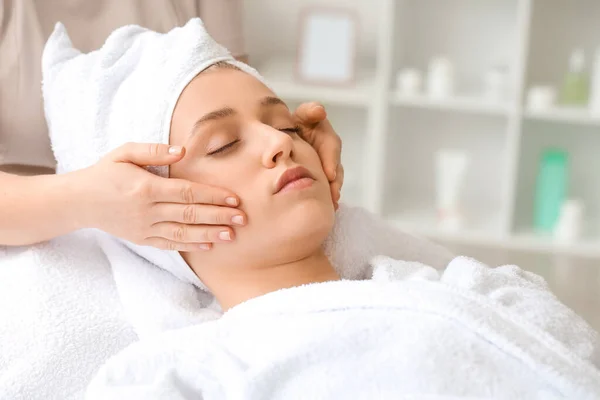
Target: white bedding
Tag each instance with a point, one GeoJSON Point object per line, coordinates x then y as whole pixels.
{"type": "Point", "coordinates": [61, 316]}
{"type": "Point", "coordinates": [409, 333]}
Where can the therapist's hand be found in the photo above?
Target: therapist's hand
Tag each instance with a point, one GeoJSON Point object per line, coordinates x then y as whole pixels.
{"type": "Point", "coordinates": [125, 200]}
{"type": "Point", "coordinates": [317, 131]}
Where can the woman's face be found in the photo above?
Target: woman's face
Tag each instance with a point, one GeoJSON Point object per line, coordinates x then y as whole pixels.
{"type": "Point", "coordinates": [238, 135]}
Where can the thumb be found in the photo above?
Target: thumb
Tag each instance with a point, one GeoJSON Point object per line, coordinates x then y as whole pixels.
{"type": "Point", "coordinates": [147, 154]}
{"type": "Point", "coordinates": [309, 114]}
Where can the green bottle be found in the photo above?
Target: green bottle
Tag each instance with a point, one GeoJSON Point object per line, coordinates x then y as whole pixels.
{"type": "Point", "coordinates": [551, 189]}
{"type": "Point", "coordinates": [576, 86]}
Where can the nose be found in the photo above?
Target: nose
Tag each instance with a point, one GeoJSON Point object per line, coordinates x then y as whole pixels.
{"type": "Point", "coordinates": [279, 147]}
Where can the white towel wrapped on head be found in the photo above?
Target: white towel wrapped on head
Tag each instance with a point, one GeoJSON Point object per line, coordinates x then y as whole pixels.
{"type": "Point", "coordinates": [124, 92]}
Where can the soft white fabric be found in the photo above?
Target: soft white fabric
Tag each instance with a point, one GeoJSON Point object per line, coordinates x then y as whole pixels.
{"type": "Point", "coordinates": [60, 318]}
{"type": "Point", "coordinates": [155, 300]}
{"type": "Point", "coordinates": [473, 331]}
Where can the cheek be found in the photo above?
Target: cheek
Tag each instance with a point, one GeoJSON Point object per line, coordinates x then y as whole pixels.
{"type": "Point", "coordinates": [226, 174]}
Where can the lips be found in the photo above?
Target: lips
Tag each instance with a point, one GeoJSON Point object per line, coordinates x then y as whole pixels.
{"type": "Point", "coordinates": [292, 175]}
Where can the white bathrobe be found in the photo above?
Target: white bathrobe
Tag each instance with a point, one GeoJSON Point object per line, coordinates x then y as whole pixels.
{"type": "Point", "coordinates": [408, 333]}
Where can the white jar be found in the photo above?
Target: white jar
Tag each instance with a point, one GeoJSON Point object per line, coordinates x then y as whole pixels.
{"type": "Point", "coordinates": [409, 82]}
{"type": "Point", "coordinates": [541, 98]}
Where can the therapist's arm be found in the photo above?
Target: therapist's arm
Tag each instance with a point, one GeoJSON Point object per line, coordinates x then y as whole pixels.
{"type": "Point", "coordinates": [35, 208]}
{"type": "Point", "coordinates": [120, 197]}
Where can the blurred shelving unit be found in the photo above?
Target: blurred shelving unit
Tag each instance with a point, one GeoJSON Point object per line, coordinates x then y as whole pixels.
{"type": "Point", "coordinates": [462, 104]}
{"type": "Point", "coordinates": [280, 72]}
{"type": "Point", "coordinates": [576, 116]}
{"type": "Point", "coordinates": [390, 139]}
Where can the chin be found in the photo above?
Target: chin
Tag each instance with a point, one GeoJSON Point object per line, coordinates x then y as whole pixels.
{"type": "Point", "coordinates": [308, 223]}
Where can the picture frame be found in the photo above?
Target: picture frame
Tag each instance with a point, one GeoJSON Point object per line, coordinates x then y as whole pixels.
{"type": "Point", "coordinates": [327, 46]}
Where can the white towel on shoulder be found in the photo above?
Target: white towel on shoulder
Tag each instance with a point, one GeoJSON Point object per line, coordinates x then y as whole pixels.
{"type": "Point", "coordinates": [471, 332]}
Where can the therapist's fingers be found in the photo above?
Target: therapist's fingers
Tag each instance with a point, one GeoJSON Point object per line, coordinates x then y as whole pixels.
{"type": "Point", "coordinates": [336, 186]}
{"type": "Point", "coordinates": [147, 154]}
{"type": "Point", "coordinates": [181, 191]}
{"type": "Point", "coordinates": [165, 244]}
{"type": "Point", "coordinates": [329, 149]}
{"type": "Point", "coordinates": [319, 133]}
{"type": "Point", "coordinates": [183, 233]}
{"type": "Point", "coordinates": [195, 214]}
{"type": "Point", "coordinates": [310, 114]}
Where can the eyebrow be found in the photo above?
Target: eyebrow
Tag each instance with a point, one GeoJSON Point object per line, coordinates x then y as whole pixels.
{"type": "Point", "coordinates": [226, 112]}
{"type": "Point", "coordinates": [216, 115]}
{"type": "Point", "coordinates": [272, 101]}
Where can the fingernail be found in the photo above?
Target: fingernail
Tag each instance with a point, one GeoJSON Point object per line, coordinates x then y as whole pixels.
{"type": "Point", "coordinates": [238, 220]}
{"type": "Point", "coordinates": [334, 173]}
{"type": "Point", "coordinates": [225, 235]}
{"type": "Point", "coordinates": [317, 106]}
{"type": "Point", "coordinates": [204, 246]}
{"type": "Point", "coordinates": [232, 201]}
{"type": "Point", "coordinates": [175, 150]}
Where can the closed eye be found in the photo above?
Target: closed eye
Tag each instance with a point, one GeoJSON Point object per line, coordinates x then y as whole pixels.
{"type": "Point", "coordinates": [222, 149]}
{"type": "Point", "coordinates": [292, 131]}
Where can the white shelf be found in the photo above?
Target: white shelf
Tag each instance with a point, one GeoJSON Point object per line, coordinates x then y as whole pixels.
{"type": "Point", "coordinates": [280, 74]}
{"type": "Point", "coordinates": [589, 248]}
{"type": "Point", "coordinates": [579, 116]}
{"type": "Point", "coordinates": [465, 104]}
{"type": "Point", "coordinates": [477, 229]}
{"type": "Point", "coordinates": [489, 236]}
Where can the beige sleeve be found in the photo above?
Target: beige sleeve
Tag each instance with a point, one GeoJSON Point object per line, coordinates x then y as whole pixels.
{"type": "Point", "coordinates": [224, 21]}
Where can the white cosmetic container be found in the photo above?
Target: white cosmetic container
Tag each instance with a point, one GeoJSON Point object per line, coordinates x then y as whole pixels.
{"type": "Point", "coordinates": [569, 227]}
{"type": "Point", "coordinates": [541, 98]}
{"type": "Point", "coordinates": [495, 84]}
{"type": "Point", "coordinates": [440, 78]}
{"type": "Point", "coordinates": [409, 82]}
{"type": "Point", "coordinates": [595, 87]}
{"type": "Point", "coordinates": [450, 171]}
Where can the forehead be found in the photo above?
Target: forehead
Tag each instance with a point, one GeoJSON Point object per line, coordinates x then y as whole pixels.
{"type": "Point", "coordinates": [224, 87]}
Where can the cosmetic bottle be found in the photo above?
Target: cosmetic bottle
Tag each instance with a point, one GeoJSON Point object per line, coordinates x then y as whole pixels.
{"type": "Point", "coordinates": [451, 168]}
{"type": "Point", "coordinates": [569, 227]}
{"type": "Point", "coordinates": [551, 189]}
{"type": "Point", "coordinates": [595, 87]}
{"type": "Point", "coordinates": [575, 89]}
{"type": "Point", "coordinates": [440, 78]}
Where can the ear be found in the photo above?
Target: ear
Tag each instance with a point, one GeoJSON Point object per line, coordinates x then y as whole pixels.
{"type": "Point", "coordinates": [58, 49]}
